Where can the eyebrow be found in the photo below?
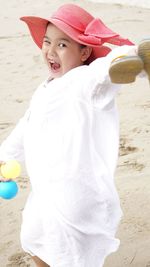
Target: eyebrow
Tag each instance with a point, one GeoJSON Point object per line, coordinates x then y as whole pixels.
{"type": "Point", "coordinates": [59, 39]}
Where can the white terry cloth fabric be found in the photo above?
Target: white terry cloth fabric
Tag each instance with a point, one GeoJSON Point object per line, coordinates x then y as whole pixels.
{"type": "Point", "coordinates": [69, 141]}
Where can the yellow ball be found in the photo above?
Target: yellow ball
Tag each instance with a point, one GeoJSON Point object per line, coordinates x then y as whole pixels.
{"type": "Point", "coordinates": [11, 169]}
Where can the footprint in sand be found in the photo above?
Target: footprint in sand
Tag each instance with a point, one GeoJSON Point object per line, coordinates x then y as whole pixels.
{"type": "Point", "coordinates": [19, 100]}
{"type": "Point", "coordinates": [19, 259]}
{"type": "Point", "coordinates": [4, 125]}
{"type": "Point", "coordinates": [134, 165]}
{"type": "Point", "coordinates": [126, 149]}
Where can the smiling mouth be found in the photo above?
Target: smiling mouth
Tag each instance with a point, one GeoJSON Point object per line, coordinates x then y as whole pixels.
{"type": "Point", "coordinates": [54, 66]}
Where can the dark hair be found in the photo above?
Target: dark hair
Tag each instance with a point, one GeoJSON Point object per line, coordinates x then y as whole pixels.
{"type": "Point", "coordinates": [82, 46]}
{"type": "Point", "coordinates": [86, 62]}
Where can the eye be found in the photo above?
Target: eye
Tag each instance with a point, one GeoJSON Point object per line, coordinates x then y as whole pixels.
{"type": "Point", "coordinates": [46, 41]}
{"type": "Point", "coordinates": [62, 45]}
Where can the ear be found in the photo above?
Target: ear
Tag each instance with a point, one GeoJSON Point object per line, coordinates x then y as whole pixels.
{"type": "Point", "coordinates": [85, 53]}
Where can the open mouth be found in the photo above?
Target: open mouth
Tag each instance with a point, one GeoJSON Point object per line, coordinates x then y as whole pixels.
{"type": "Point", "coordinates": [54, 66]}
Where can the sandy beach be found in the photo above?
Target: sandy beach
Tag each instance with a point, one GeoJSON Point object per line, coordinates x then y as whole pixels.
{"type": "Point", "coordinates": [22, 70]}
{"type": "Point", "coordinates": [135, 3]}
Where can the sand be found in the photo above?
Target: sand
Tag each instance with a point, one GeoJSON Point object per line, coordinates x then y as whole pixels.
{"type": "Point", "coordinates": [135, 3]}
{"type": "Point", "coordinates": [22, 70]}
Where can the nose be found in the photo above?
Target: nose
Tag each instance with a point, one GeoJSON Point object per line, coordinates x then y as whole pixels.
{"type": "Point", "coordinates": [52, 50]}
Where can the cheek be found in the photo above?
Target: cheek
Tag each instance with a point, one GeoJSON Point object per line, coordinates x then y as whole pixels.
{"type": "Point", "coordinates": [44, 51]}
{"type": "Point", "coordinates": [44, 54]}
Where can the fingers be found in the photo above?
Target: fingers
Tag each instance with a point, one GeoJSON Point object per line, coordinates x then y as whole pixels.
{"type": "Point", "coordinates": [2, 179]}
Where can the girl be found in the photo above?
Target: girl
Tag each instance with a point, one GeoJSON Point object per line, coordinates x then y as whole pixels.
{"type": "Point", "coordinates": [69, 139]}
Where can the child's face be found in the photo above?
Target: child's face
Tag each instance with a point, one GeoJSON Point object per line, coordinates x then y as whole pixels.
{"type": "Point", "coordinates": [61, 53]}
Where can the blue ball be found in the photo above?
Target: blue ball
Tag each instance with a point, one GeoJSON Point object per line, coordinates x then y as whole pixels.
{"type": "Point", "coordinates": [8, 189]}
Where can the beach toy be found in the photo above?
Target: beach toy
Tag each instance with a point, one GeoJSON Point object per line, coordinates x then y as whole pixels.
{"type": "Point", "coordinates": [11, 169]}
{"type": "Point", "coordinates": [8, 189]}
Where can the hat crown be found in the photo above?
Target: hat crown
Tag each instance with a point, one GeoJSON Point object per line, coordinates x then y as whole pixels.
{"type": "Point", "coordinates": [74, 16]}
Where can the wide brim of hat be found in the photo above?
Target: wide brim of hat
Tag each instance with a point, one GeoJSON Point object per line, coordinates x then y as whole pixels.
{"type": "Point", "coordinates": [38, 25]}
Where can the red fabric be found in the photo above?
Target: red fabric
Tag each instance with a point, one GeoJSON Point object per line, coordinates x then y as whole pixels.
{"type": "Point", "coordinates": [97, 32]}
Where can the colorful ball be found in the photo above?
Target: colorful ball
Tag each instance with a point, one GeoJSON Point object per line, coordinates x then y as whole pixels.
{"type": "Point", "coordinates": [8, 189]}
{"type": "Point", "coordinates": [11, 169]}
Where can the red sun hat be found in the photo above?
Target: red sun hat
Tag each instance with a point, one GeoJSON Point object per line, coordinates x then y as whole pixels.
{"type": "Point", "coordinates": [79, 25]}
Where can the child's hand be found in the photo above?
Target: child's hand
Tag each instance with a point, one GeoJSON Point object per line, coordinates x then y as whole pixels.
{"type": "Point", "coordinates": [2, 179]}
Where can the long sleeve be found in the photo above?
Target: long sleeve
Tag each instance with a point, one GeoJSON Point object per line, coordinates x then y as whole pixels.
{"type": "Point", "coordinates": [12, 147]}
{"type": "Point", "coordinates": [95, 78]}
{"type": "Point", "coordinates": [101, 66]}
